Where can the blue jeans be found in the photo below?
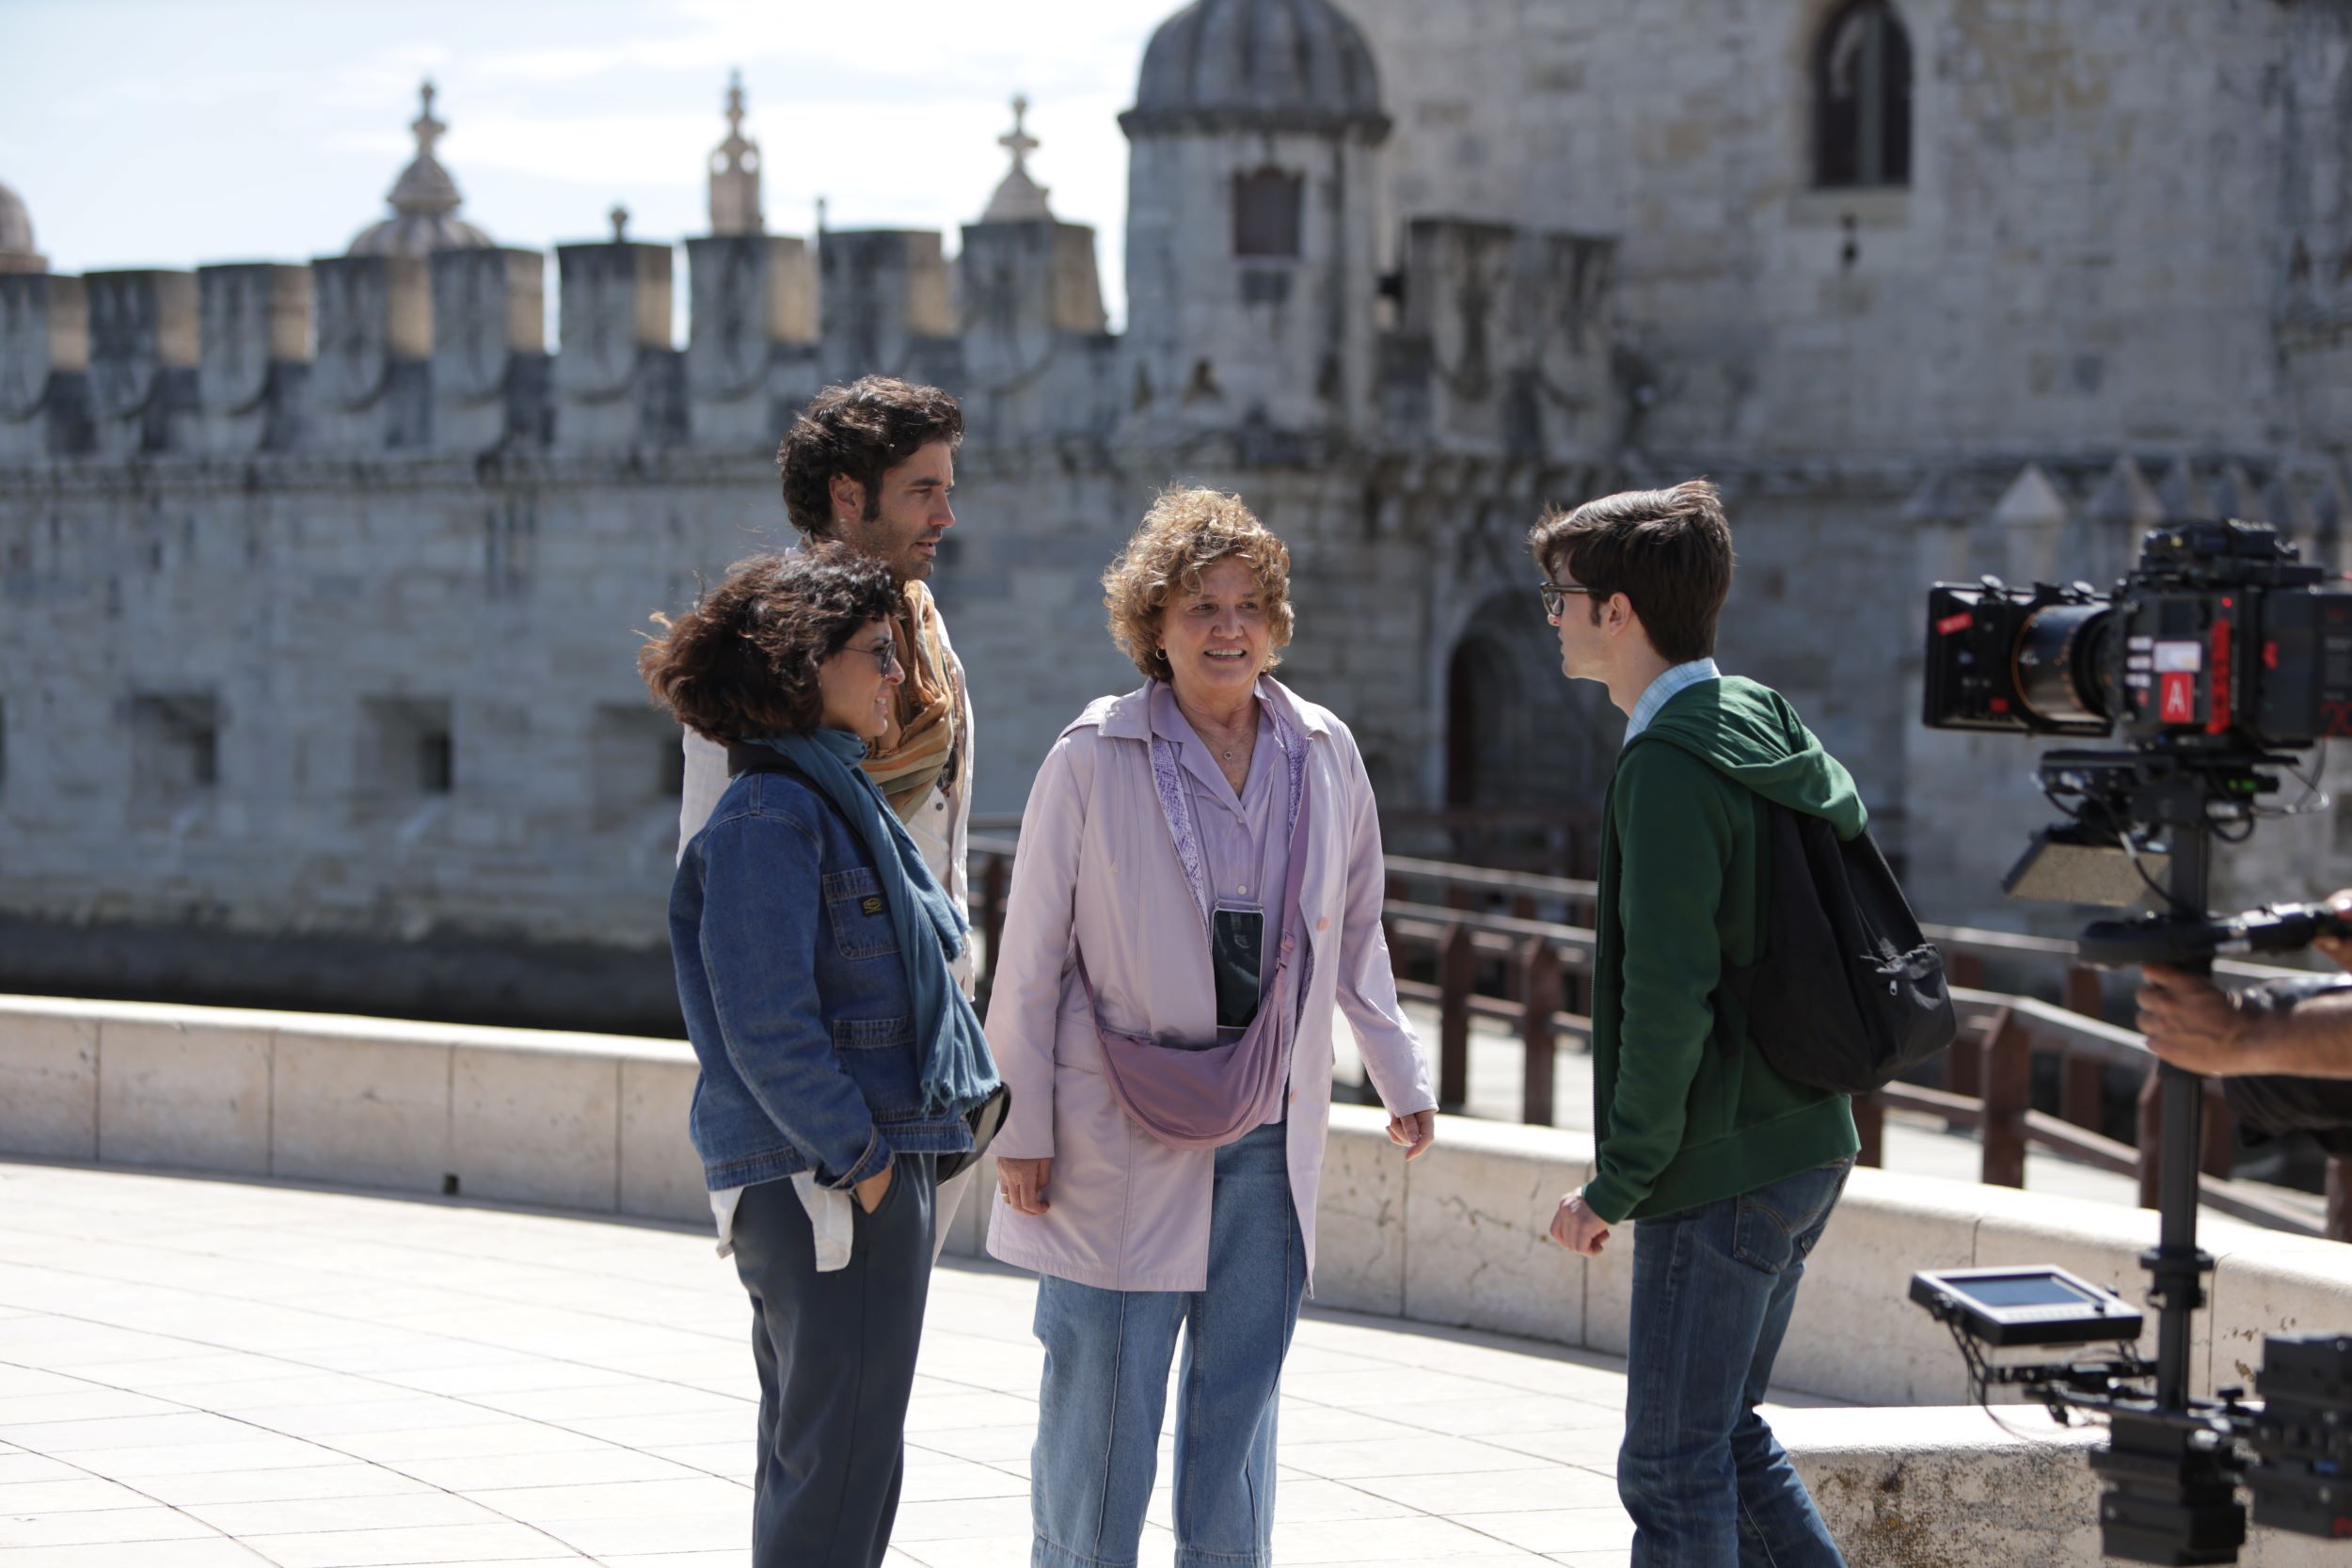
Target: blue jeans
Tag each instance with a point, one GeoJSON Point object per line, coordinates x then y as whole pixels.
{"type": "Point", "coordinates": [1705, 1481]}
{"type": "Point", "coordinates": [1105, 1388]}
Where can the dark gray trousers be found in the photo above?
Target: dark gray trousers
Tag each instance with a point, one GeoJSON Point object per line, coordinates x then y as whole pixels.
{"type": "Point", "coordinates": [836, 1354]}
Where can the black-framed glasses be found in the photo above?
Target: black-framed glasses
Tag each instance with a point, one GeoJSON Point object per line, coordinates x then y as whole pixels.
{"type": "Point", "coordinates": [886, 655]}
{"type": "Point", "coordinates": [1556, 594]}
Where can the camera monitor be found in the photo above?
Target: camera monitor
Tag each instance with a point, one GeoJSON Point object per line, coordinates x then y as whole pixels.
{"type": "Point", "coordinates": [2029, 1305]}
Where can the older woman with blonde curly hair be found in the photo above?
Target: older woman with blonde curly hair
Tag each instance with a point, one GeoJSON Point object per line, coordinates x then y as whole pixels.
{"type": "Point", "coordinates": [1198, 888]}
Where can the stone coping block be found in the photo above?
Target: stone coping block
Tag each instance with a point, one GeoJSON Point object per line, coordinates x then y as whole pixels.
{"type": "Point", "coordinates": [1950, 1484]}
{"type": "Point", "coordinates": [597, 1122]}
{"type": "Point", "coordinates": [574, 1120]}
{"type": "Point", "coordinates": [1946, 1485]}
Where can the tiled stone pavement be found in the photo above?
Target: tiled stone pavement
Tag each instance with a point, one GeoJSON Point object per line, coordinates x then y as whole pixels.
{"type": "Point", "coordinates": [199, 1373]}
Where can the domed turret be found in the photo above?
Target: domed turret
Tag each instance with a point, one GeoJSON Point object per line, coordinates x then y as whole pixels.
{"type": "Point", "coordinates": [424, 203]}
{"type": "Point", "coordinates": [16, 236]}
{"type": "Point", "coordinates": [1258, 65]}
{"type": "Point", "coordinates": [1250, 204]}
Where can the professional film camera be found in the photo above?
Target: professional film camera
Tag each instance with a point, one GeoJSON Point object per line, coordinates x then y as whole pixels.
{"type": "Point", "coordinates": [2218, 656]}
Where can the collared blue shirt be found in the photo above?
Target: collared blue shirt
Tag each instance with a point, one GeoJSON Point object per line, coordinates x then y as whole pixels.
{"type": "Point", "coordinates": [1669, 682]}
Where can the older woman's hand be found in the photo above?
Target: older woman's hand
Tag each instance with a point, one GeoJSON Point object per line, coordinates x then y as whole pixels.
{"type": "Point", "coordinates": [1416, 1130]}
{"type": "Point", "coordinates": [1022, 1183]}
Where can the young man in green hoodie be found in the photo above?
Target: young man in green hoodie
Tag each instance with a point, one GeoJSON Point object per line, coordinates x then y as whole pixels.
{"type": "Point", "coordinates": [1729, 1170]}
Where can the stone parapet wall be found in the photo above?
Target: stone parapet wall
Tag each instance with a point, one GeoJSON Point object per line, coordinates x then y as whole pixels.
{"type": "Point", "coordinates": [1457, 1238]}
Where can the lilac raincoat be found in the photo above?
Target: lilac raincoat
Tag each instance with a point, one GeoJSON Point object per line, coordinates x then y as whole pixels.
{"type": "Point", "coordinates": [1127, 1212]}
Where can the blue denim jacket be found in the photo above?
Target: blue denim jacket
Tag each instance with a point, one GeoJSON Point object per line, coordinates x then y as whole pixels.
{"type": "Point", "coordinates": [790, 975]}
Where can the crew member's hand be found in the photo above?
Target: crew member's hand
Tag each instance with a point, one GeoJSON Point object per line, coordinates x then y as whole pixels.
{"type": "Point", "coordinates": [1577, 1228]}
{"type": "Point", "coordinates": [2338, 948]}
{"type": "Point", "coordinates": [1021, 1182]}
{"type": "Point", "coordinates": [2190, 1021]}
{"type": "Point", "coordinates": [1416, 1130]}
{"type": "Point", "coordinates": [871, 1191]}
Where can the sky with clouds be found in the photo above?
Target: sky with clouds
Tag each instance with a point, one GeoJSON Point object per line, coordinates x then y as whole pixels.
{"type": "Point", "coordinates": [175, 133]}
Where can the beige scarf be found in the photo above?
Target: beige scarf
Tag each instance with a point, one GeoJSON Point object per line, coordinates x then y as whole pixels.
{"type": "Point", "coordinates": [919, 748]}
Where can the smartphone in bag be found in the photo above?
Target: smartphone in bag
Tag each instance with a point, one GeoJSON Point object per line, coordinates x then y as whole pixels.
{"type": "Point", "coordinates": [1237, 957]}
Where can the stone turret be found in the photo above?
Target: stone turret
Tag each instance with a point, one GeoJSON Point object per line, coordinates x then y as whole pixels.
{"type": "Point", "coordinates": [1249, 218]}
{"type": "Point", "coordinates": [735, 203]}
{"type": "Point", "coordinates": [751, 347]}
{"type": "Point", "coordinates": [16, 236]}
{"type": "Point", "coordinates": [424, 202]}
{"type": "Point", "coordinates": [1037, 354]}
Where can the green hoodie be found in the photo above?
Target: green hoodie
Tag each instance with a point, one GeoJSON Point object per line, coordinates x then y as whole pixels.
{"type": "Point", "coordinates": [1684, 1118]}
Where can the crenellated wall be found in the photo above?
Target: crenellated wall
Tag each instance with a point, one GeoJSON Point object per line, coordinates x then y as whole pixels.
{"type": "Point", "coordinates": [324, 582]}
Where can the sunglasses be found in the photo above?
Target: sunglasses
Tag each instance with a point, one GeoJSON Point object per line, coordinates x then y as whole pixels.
{"type": "Point", "coordinates": [886, 655]}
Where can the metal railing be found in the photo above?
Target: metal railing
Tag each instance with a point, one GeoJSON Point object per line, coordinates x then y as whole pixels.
{"type": "Point", "coordinates": [1534, 976]}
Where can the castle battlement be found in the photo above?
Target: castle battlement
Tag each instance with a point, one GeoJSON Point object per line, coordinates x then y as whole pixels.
{"type": "Point", "coordinates": [428, 338]}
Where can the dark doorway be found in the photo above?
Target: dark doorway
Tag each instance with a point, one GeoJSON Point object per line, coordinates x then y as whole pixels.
{"type": "Point", "coordinates": [1528, 753]}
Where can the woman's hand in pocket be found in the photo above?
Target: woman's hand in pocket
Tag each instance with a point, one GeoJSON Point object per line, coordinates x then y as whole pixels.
{"type": "Point", "coordinates": [871, 1191]}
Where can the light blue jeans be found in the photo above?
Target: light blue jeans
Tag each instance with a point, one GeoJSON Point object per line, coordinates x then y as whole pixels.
{"type": "Point", "coordinates": [1105, 1388]}
{"type": "Point", "coordinates": [1706, 1484]}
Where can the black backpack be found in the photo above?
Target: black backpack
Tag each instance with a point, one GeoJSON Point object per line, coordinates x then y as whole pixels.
{"type": "Point", "coordinates": [1846, 994]}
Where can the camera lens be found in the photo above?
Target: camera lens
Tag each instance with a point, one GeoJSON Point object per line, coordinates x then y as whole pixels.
{"type": "Point", "coordinates": [2058, 658]}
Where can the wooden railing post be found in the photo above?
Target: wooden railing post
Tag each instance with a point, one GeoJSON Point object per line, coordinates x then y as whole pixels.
{"type": "Point", "coordinates": [1963, 1063]}
{"type": "Point", "coordinates": [1457, 976]}
{"type": "Point", "coordinates": [995, 874]}
{"type": "Point", "coordinates": [1539, 994]}
{"type": "Point", "coordinates": [1870, 1124]}
{"type": "Point", "coordinates": [1964, 1070]}
{"type": "Point", "coordinates": [2007, 1094]}
{"type": "Point", "coordinates": [2082, 1080]}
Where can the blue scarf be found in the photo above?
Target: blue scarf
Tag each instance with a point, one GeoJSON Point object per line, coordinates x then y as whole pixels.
{"type": "Point", "coordinates": [957, 1071]}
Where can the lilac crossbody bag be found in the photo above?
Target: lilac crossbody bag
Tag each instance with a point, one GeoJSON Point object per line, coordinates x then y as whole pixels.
{"type": "Point", "coordinates": [1211, 1097]}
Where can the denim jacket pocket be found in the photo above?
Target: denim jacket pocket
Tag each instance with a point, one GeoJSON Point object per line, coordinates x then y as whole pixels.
{"type": "Point", "coordinates": [877, 1054]}
{"type": "Point", "coordinates": [859, 916]}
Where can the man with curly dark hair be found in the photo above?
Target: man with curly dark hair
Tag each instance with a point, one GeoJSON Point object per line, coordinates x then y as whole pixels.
{"type": "Point", "coordinates": [872, 465]}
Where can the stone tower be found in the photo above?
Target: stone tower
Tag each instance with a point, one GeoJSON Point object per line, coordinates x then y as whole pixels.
{"type": "Point", "coordinates": [1250, 191]}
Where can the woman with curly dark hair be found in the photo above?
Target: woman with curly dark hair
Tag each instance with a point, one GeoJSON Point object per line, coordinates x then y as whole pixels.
{"type": "Point", "coordinates": [839, 1060]}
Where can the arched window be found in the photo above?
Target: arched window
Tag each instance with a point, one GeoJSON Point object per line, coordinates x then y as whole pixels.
{"type": "Point", "coordinates": [1862, 98]}
{"type": "Point", "coordinates": [1265, 213]}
